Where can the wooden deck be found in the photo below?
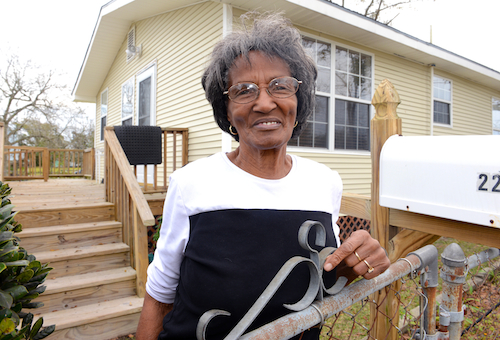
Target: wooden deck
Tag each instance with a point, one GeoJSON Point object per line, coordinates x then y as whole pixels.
{"type": "Point", "coordinates": [37, 194]}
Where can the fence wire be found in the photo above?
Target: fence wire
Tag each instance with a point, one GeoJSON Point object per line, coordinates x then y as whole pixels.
{"type": "Point", "coordinates": [354, 322]}
{"type": "Point", "coordinates": [481, 297]}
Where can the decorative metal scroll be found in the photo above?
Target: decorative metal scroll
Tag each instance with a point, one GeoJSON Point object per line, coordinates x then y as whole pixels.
{"type": "Point", "coordinates": [315, 290]}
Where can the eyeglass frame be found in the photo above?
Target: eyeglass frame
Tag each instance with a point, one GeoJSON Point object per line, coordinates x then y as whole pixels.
{"type": "Point", "coordinates": [267, 89]}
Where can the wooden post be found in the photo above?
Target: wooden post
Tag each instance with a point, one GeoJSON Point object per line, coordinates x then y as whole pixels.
{"type": "Point", "coordinates": [46, 164]}
{"type": "Point", "coordinates": [385, 124]}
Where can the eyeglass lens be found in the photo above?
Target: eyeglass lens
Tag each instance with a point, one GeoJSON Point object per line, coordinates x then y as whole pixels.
{"type": "Point", "coordinates": [279, 87]}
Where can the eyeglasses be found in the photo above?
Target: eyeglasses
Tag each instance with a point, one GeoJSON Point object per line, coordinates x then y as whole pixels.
{"type": "Point", "coordinates": [283, 87]}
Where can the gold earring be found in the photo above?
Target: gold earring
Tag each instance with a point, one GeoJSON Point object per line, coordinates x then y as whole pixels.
{"type": "Point", "coordinates": [231, 130]}
{"type": "Point", "coordinates": [296, 123]}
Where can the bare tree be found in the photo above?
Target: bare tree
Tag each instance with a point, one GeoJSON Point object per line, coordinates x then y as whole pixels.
{"type": "Point", "coordinates": [28, 96]}
{"type": "Point", "coordinates": [384, 11]}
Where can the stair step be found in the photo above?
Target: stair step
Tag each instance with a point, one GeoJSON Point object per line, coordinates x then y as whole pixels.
{"type": "Point", "coordinates": [79, 290]}
{"type": "Point", "coordinates": [100, 321]}
{"type": "Point", "coordinates": [74, 261]}
{"type": "Point", "coordinates": [70, 235]}
{"type": "Point", "coordinates": [65, 214]}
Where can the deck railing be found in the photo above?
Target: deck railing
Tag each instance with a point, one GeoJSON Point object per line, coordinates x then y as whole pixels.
{"type": "Point", "coordinates": [28, 162]}
{"type": "Point", "coordinates": [174, 154]}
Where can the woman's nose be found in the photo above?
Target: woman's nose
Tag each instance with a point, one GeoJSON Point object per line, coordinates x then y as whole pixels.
{"type": "Point", "coordinates": [264, 102]}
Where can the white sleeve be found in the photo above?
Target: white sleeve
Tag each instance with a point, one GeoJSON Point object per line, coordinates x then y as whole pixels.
{"type": "Point", "coordinates": [163, 272]}
{"type": "Point", "coordinates": [337, 199]}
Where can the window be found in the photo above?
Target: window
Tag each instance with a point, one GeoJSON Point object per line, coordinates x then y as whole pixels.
{"type": "Point", "coordinates": [104, 111]}
{"type": "Point", "coordinates": [146, 96]}
{"type": "Point", "coordinates": [442, 100]}
{"type": "Point", "coordinates": [496, 116]}
{"type": "Point", "coordinates": [341, 117]}
{"type": "Point", "coordinates": [128, 102]}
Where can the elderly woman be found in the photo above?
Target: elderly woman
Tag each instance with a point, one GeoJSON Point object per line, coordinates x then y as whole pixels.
{"type": "Point", "coordinates": [231, 220]}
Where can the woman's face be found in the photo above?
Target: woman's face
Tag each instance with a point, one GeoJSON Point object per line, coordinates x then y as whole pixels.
{"type": "Point", "coordinates": [267, 122]}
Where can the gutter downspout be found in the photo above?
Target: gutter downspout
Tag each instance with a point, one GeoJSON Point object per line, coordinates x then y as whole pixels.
{"type": "Point", "coordinates": [432, 100]}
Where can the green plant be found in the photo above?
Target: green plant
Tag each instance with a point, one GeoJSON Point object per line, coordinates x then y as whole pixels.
{"type": "Point", "coordinates": [156, 235]}
{"type": "Point", "coordinates": [21, 276]}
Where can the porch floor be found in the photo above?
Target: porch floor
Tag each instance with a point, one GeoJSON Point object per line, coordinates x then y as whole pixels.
{"type": "Point", "coordinates": [37, 194]}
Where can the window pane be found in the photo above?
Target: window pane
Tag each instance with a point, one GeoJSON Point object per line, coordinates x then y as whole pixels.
{"type": "Point", "coordinates": [353, 86]}
{"type": "Point", "coordinates": [363, 139]}
{"type": "Point", "coordinates": [340, 110]}
{"type": "Point", "coordinates": [366, 65]}
{"type": "Point", "coordinates": [103, 125]}
{"type": "Point", "coordinates": [496, 116]}
{"type": "Point", "coordinates": [306, 137]}
{"type": "Point", "coordinates": [324, 54]}
{"type": "Point", "coordinates": [127, 122]}
{"type": "Point", "coordinates": [320, 135]}
{"type": "Point", "coordinates": [351, 136]}
{"type": "Point", "coordinates": [321, 109]}
{"type": "Point", "coordinates": [341, 84]}
{"type": "Point", "coordinates": [366, 88]}
{"type": "Point", "coordinates": [324, 79]}
{"type": "Point", "coordinates": [310, 47]}
{"type": "Point", "coordinates": [354, 62]}
{"type": "Point", "coordinates": [341, 59]}
{"type": "Point", "coordinates": [352, 114]}
{"type": "Point", "coordinates": [442, 88]}
{"type": "Point", "coordinates": [353, 132]}
{"type": "Point", "coordinates": [339, 137]}
{"type": "Point", "coordinates": [144, 101]}
{"type": "Point", "coordinates": [441, 112]}
{"type": "Point", "coordinates": [364, 115]}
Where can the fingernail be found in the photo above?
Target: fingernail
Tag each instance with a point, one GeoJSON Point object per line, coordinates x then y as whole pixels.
{"type": "Point", "coordinates": [328, 267]}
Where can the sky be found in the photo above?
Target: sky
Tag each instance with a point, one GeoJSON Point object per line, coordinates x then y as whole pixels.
{"type": "Point", "coordinates": [56, 33]}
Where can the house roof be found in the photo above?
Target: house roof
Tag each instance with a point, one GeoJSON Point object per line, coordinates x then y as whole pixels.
{"type": "Point", "coordinates": [116, 17]}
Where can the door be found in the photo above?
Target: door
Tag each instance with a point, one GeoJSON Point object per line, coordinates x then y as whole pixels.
{"type": "Point", "coordinates": [146, 110]}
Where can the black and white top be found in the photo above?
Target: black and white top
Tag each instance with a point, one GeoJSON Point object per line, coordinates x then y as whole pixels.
{"type": "Point", "coordinates": [225, 235]}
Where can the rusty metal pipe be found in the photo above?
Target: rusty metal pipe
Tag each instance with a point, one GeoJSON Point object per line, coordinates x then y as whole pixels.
{"type": "Point", "coordinates": [295, 323]}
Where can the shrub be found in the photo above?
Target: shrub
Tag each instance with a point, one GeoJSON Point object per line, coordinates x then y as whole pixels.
{"type": "Point", "coordinates": [21, 276]}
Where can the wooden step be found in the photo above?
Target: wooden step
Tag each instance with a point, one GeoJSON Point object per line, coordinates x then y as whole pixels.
{"type": "Point", "coordinates": [70, 236]}
{"type": "Point", "coordinates": [65, 214]}
{"type": "Point", "coordinates": [100, 321]}
{"type": "Point", "coordinates": [79, 290]}
{"type": "Point", "coordinates": [74, 261]}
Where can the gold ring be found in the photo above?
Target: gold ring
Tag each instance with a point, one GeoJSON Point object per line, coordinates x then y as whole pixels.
{"type": "Point", "coordinates": [357, 255]}
{"type": "Point", "coordinates": [370, 268]}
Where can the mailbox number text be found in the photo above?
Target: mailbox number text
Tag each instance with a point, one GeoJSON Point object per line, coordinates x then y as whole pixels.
{"type": "Point", "coordinates": [484, 185]}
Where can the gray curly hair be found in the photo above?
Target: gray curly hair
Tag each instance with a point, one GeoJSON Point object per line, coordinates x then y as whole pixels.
{"type": "Point", "coordinates": [274, 35]}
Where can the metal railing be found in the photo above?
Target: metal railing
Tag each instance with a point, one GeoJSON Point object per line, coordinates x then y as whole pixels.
{"type": "Point", "coordinates": [413, 282]}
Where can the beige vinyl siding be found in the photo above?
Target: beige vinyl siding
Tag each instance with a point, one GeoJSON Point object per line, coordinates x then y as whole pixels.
{"type": "Point", "coordinates": [471, 108]}
{"type": "Point", "coordinates": [179, 44]}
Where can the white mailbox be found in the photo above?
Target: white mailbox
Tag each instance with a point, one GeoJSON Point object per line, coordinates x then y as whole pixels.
{"type": "Point", "coordinates": [454, 177]}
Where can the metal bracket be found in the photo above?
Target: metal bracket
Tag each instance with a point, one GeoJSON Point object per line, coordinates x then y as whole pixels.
{"type": "Point", "coordinates": [445, 316]}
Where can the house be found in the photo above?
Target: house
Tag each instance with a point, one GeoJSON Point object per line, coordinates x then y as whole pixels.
{"type": "Point", "coordinates": [145, 59]}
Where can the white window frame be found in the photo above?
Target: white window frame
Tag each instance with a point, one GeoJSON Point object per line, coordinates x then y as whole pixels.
{"type": "Point", "coordinates": [128, 86]}
{"type": "Point", "coordinates": [106, 91]}
{"type": "Point", "coordinates": [497, 129]}
{"type": "Point", "coordinates": [450, 102]}
{"type": "Point", "coordinates": [148, 71]}
{"type": "Point", "coordinates": [332, 96]}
